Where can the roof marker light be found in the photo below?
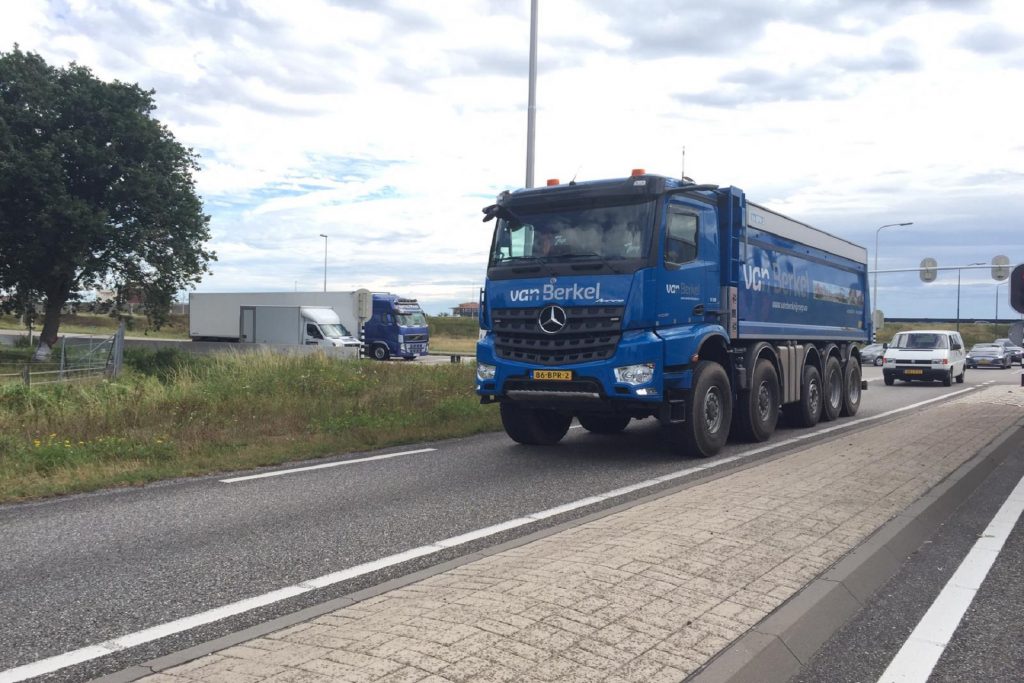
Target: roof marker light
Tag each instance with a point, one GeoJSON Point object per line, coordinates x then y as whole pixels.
{"type": "Point", "coordinates": [638, 171]}
{"type": "Point", "coordinates": [552, 182]}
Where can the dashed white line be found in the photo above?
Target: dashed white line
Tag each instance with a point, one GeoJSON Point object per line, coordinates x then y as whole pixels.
{"type": "Point", "coordinates": [922, 650]}
{"type": "Point", "coordinates": [57, 662]}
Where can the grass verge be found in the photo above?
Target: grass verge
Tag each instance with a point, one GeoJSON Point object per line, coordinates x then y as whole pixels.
{"type": "Point", "coordinates": [174, 414]}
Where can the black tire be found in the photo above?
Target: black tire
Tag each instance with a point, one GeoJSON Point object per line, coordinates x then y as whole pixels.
{"type": "Point", "coordinates": [757, 411]}
{"type": "Point", "coordinates": [380, 352]}
{"type": "Point", "coordinates": [889, 380]}
{"type": "Point", "coordinates": [851, 388]}
{"type": "Point", "coordinates": [947, 381]}
{"type": "Point", "coordinates": [604, 424]}
{"type": "Point", "coordinates": [709, 411]}
{"type": "Point", "coordinates": [878, 361]}
{"type": "Point", "coordinates": [807, 411]}
{"type": "Point", "coordinates": [532, 426]}
{"type": "Point", "coordinates": [961, 376]}
{"type": "Point", "coordinates": [832, 390]}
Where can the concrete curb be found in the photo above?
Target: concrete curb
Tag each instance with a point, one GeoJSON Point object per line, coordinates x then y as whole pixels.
{"type": "Point", "coordinates": [784, 641]}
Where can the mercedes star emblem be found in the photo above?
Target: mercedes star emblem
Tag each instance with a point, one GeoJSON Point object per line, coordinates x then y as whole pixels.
{"type": "Point", "coordinates": [551, 319]}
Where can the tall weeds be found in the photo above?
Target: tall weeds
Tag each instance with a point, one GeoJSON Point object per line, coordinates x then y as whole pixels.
{"type": "Point", "coordinates": [176, 414]}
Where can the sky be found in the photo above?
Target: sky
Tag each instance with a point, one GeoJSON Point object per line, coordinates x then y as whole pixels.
{"type": "Point", "coordinates": [388, 124]}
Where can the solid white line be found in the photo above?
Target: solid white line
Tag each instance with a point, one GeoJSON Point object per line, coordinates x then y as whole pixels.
{"type": "Point", "coordinates": [921, 652]}
{"type": "Point", "coordinates": [85, 654]}
{"type": "Point", "coordinates": [278, 473]}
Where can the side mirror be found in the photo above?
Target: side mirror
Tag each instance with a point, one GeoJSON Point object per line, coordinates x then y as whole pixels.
{"type": "Point", "coordinates": [885, 345]}
{"type": "Point", "coordinates": [956, 347]}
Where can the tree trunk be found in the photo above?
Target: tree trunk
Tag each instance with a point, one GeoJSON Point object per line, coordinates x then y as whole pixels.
{"type": "Point", "coordinates": [51, 324]}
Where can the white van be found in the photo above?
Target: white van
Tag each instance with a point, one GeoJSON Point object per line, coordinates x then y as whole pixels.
{"type": "Point", "coordinates": [925, 355]}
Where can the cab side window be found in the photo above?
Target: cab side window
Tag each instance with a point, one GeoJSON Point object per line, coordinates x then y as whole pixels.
{"type": "Point", "coordinates": [681, 237]}
{"type": "Point", "coordinates": [313, 331]}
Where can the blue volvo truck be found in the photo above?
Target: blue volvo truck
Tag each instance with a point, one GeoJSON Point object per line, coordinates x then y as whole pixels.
{"type": "Point", "coordinates": [650, 296]}
{"type": "Point", "coordinates": [397, 328]}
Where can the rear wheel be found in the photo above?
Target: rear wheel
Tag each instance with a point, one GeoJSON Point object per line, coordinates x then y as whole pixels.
{"type": "Point", "coordinates": [603, 424]}
{"type": "Point", "coordinates": [709, 412]}
{"type": "Point", "coordinates": [961, 376]}
{"type": "Point", "coordinates": [851, 388]}
{"type": "Point", "coordinates": [833, 384]}
{"type": "Point", "coordinates": [758, 409]}
{"type": "Point", "coordinates": [533, 426]}
{"type": "Point", "coordinates": [807, 410]}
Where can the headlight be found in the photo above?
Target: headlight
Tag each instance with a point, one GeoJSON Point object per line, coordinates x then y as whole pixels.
{"type": "Point", "coordinates": [485, 371]}
{"type": "Point", "coordinates": [890, 361]}
{"type": "Point", "coordinates": [635, 374]}
{"type": "Point", "coordinates": [940, 361]}
{"type": "Point", "coordinates": [401, 338]}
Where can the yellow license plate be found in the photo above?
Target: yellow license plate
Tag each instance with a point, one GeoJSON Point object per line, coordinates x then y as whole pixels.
{"type": "Point", "coordinates": [914, 372]}
{"type": "Point", "coordinates": [552, 374]}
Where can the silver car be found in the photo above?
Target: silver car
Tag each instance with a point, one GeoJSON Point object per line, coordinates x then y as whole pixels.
{"type": "Point", "coordinates": [872, 353]}
{"type": "Point", "coordinates": [1016, 352]}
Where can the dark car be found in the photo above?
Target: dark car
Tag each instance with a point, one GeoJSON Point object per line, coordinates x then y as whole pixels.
{"type": "Point", "coordinates": [1016, 352]}
{"type": "Point", "coordinates": [988, 356]}
{"type": "Point", "coordinates": [872, 353]}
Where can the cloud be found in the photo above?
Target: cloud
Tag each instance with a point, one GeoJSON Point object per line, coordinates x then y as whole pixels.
{"type": "Point", "coordinates": [989, 38]}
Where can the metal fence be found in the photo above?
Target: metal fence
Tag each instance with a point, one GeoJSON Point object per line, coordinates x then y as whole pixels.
{"type": "Point", "coordinates": [78, 358]}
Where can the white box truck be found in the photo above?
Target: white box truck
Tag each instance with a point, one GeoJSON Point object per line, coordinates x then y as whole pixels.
{"type": "Point", "coordinates": [307, 325]}
{"type": "Point", "coordinates": [391, 326]}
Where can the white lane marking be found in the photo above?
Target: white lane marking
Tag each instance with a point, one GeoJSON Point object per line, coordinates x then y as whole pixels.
{"type": "Point", "coordinates": [278, 473]}
{"type": "Point", "coordinates": [57, 662]}
{"type": "Point", "coordinates": [922, 650]}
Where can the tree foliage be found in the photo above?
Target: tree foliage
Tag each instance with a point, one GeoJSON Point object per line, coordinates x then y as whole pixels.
{"type": "Point", "coordinates": [94, 192]}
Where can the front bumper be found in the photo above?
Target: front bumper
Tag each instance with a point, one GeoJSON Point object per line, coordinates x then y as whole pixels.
{"type": "Point", "coordinates": [932, 372]}
{"type": "Point", "coordinates": [592, 385]}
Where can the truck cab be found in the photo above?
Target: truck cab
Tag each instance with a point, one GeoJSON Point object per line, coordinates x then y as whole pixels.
{"type": "Point", "coordinates": [397, 328]}
{"type": "Point", "coordinates": [322, 327]}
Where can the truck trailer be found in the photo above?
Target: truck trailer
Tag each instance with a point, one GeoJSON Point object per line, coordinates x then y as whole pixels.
{"type": "Point", "coordinates": [389, 325]}
{"type": "Point", "coordinates": [650, 296]}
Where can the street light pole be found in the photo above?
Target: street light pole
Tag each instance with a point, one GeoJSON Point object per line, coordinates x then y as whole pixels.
{"type": "Point", "coordinates": [979, 263]}
{"type": "Point", "coordinates": [874, 294]}
{"type": "Point", "coordinates": [325, 260]}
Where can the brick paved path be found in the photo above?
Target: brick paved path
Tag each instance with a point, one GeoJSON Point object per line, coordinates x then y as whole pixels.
{"type": "Point", "coordinates": [648, 594]}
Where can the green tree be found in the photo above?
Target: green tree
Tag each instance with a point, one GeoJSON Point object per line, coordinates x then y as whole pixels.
{"type": "Point", "coordinates": [94, 191]}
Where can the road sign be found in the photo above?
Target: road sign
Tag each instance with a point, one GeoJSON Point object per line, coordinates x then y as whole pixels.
{"type": "Point", "coordinates": [1000, 268]}
{"type": "Point", "coordinates": [929, 269]}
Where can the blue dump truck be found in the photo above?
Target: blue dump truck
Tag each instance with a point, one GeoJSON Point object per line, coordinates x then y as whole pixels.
{"type": "Point", "coordinates": [650, 296]}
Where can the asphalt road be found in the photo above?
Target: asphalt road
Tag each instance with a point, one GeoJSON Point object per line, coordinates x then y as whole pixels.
{"type": "Point", "coordinates": [988, 644]}
{"type": "Point", "coordinates": [80, 570]}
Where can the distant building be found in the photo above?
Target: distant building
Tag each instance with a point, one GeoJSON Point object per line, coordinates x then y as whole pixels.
{"type": "Point", "coordinates": [470, 309]}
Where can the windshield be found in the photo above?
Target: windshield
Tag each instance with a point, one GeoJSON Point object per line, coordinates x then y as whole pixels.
{"type": "Point", "coordinates": [598, 231]}
{"type": "Point", "coordinates": [333, 331]}
{"type": "Point", "coordinates": [987, 348]}
{"type": "Point", "coordinates": [920, 340]}
{"type": "Point", "coordinates": [411, 319]}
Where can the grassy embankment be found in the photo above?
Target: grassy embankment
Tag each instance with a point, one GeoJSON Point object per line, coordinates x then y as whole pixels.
{"type": "Point", "coordinates": [973, 333]}
{"type": "Point", "coordinates": [174, 414]}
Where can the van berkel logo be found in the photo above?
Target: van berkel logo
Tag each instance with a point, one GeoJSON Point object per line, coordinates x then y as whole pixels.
{"type": "Point", "coordinates": [552, 319]}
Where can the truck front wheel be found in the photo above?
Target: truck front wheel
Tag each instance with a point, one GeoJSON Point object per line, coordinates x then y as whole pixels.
{"type": "Point", "coordinates": [532, 426]}
{"type": "Point", "coordinates": [380, 352]}
{"type": "Point", "coordinates": [833, 383]}
{"type": "Point", "coordinates": [603, 424]}
{"type": "Point", "coordinates": [709, 413]}
{"type": "Point", "coordinates": [758, 409]}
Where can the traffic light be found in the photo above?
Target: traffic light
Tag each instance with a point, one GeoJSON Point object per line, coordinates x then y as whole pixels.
{"type": "Point", "coordinates": [1017, 289]}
